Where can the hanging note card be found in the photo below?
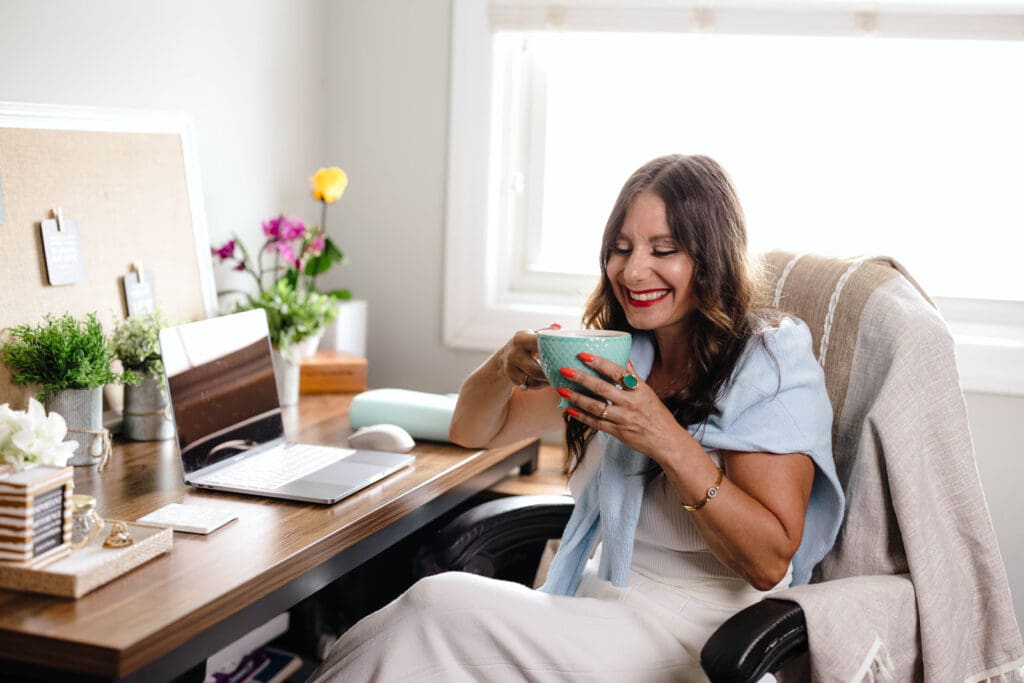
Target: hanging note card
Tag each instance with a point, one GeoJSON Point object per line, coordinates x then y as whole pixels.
{"type": "Point", "coordinates": [62, 247]}
{"type": "Point", "coordinates": [139, 291]}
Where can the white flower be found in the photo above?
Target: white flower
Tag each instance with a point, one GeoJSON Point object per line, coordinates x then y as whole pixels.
{"type": "Point", "coordinates": [33, 436]}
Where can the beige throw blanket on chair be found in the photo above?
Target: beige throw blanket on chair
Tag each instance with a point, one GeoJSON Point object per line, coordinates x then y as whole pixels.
{"type": "Point", "coordinates": [915, 586]}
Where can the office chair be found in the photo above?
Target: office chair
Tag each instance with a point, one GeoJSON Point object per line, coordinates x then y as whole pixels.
{"type": "Point", "coordinates": [916, 554]}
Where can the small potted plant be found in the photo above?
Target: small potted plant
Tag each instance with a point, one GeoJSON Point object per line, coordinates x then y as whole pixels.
{"type": "Point", "coordinates": [136, 341]}
{"type": "Point", "coordinates": [70, 360]}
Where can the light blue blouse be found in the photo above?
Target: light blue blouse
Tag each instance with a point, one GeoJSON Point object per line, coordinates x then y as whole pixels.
{"type": "Point", "coordinates": [774, 402]}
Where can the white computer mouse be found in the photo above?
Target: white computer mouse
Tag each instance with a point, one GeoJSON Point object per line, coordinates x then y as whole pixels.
{"type": "Point", "coordinates": [381, 437]}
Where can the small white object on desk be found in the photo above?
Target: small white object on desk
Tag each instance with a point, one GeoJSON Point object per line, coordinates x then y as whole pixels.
{"type": "Point", "coordinates": [382, 437]}
{"type": "Point", "coordinates": [191, 519]}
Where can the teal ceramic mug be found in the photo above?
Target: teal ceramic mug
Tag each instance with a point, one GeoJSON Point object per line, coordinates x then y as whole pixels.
{"type": "Point", "coordinates": [561, 349]}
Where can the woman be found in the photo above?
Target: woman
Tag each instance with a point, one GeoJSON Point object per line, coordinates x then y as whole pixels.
{"type": "Point", "coordinates": [713, 447]}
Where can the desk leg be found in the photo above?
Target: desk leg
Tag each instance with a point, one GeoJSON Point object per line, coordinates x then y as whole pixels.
{"type": "Point", "coordinates": [530, 466]}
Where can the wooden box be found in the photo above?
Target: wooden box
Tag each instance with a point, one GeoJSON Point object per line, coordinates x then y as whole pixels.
{"type": "Point", "coordinates": [330, 372]}
{"type": "Point", "coordinates": [35, 516]}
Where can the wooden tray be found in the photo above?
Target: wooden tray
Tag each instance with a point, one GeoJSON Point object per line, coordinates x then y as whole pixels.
{"type": "Point", "coordinates": [88, 568]}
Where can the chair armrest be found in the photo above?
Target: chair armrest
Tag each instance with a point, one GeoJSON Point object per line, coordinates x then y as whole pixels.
{"type": "Point", "coordinates": [757, 640]}
{"type": "Point", "coordinates": [502, 538]}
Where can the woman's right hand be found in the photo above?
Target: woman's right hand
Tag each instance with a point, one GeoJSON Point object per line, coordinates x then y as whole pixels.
{"type": "Point", "coordinates": [491, 413]}
{"type": "Point", "coordinates": [519, 362]}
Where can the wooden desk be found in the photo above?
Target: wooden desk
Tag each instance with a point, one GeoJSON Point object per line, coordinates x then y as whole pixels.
{"type": "Point", "coordinates": [164, 617]}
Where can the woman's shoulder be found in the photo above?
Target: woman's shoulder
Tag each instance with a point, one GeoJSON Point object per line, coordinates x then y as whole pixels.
{"type": "Point", "coordinates": [784, 334]}
{"type": "Point", "coordinates": [778, 348]}
{"type": "Point", "coordinates": [778, 365]}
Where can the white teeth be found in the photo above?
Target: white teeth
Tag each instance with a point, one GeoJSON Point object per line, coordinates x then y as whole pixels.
{"type": "Point", "coordinates": [647, 296]}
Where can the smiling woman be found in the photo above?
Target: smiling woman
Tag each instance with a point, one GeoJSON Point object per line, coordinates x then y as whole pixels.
{"type": "Point", "coordinates": [696, 462]}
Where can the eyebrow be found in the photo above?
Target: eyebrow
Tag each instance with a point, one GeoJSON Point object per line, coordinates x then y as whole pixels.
{"type": "Point", "coordinates": [665, 237]}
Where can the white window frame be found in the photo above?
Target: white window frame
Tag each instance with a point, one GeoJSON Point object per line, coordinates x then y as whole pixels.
{"type": "Point", "coordinates": [485, 300]}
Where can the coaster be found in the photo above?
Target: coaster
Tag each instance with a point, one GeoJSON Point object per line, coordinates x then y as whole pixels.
{"type": "Point", "coordinates": [191, 519]}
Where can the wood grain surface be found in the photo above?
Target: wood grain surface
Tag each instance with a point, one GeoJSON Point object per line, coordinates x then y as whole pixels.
{"type": "Point", "coordinates": [146, 614]}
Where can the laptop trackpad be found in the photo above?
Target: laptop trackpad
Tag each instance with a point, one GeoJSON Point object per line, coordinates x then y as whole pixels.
{"type": "Point", "coordinates": [347, 472]}
{"type": "Point", "coordinates": [315, 491]}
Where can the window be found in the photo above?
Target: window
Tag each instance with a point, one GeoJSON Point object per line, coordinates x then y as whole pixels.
{"type": "Point", "coordinates": [844, 132]}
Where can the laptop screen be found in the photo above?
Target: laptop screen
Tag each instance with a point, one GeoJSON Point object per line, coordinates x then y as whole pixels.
{"type": "Point", "coordinates": [222, 389]}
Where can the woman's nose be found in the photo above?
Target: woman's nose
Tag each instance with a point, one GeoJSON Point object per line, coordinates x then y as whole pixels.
{"type": "Point", "coordinates": [637, 266]}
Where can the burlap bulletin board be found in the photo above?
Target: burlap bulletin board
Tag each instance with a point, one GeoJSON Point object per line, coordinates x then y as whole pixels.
{"type": "Point", "coordinates": [127, 181]}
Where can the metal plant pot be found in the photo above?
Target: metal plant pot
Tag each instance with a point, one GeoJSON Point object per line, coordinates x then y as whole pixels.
{"type": "Point", "coordinates": [146, 412]}
{"type": "Point", "coordinates": [82, 410]}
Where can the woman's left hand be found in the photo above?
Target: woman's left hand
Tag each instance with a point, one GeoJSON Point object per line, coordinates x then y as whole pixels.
{"type": "Point", "coordinates": [637, 417]}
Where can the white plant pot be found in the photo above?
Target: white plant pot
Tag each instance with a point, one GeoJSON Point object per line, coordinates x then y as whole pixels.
{"type": "Point", "coordinates": [145, 416]}
{"type": "Point", "coordinates": [287, 366]}
{"type": "Point", "coordinates": [82, 410]}
{"type": "Point", "coordinates": [348, 332]}
{"type": "Point", "coordinates": [286, 374]}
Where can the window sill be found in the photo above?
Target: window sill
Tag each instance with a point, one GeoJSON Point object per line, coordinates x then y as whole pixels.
{"type": "Point", "coordinates": [990, 357]}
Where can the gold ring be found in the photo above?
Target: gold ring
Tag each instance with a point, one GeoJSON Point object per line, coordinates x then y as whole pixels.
{"type": "Point", "coordinates": [629, 380]}
{"type": "Point", "coordinates": [605, 411]}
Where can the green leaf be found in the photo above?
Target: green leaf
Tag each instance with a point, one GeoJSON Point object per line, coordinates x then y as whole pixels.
{"type": "Point", "coordinates": [327, 258]}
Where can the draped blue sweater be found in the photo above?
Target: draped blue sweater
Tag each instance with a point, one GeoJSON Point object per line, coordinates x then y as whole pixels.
{"type": "Point", "coordinates": [775, 402]}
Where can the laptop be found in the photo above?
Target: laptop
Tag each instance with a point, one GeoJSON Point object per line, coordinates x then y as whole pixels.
{"type": "Point", "coordinates": [228, 421]}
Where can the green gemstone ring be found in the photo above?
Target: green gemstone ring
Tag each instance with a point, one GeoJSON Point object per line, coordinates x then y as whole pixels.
{"type": "Point", "coordinates": [629, 381]}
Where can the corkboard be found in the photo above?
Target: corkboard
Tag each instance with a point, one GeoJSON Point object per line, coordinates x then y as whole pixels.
{"type": "Point", "coordinates": [128, 191]}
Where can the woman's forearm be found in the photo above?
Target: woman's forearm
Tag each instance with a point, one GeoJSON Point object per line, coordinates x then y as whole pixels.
{"type": "Point", "coordinates": [754, 523]}
{"type": "Point", "coordinates": [482, 407]}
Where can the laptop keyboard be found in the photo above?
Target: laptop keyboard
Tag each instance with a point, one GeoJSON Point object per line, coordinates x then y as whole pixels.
{"type": "Point", "coordinates": [275, 468]}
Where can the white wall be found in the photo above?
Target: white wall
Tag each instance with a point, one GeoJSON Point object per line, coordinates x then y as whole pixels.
{"type": "Point", "coordinates": [387, 114]}
{"type": "Point", "coordinates": [997, 426]}
{"type": "Point", "coordinates": [280, 87]}
{"type": "Point", "coordinates": [250, 73]}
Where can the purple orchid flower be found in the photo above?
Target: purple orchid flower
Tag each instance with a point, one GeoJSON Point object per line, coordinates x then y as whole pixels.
{"type": "Point", "coordinates": [225, 251]}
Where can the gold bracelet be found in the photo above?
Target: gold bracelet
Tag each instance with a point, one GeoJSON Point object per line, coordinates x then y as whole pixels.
{"type": "Point", "coordinates": [712, 492]}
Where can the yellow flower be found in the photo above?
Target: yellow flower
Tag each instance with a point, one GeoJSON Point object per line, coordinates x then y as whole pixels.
{"type": "Point", "coordinates": [328, 184]}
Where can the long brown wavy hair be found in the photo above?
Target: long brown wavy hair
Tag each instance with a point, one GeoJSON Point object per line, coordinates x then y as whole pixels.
{"type": "Point", "coordinates": [706, 220]}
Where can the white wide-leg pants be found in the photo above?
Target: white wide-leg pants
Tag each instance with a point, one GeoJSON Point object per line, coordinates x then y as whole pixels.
{"type": "Point", "coordinates": [457, 627]}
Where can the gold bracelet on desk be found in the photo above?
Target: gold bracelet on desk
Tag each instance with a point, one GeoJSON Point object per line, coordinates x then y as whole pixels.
{"type": "Point", "coordinates": [712, 492]}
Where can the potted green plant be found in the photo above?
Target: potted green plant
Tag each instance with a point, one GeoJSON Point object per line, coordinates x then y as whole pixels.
{"type": "Point", "coordinates": [136, 341]}
{"type": "Point", "coordinates": [69, 359]}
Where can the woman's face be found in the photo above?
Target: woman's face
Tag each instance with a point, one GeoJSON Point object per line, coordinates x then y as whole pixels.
{"type": "Point", "coordinates": [649, 272]}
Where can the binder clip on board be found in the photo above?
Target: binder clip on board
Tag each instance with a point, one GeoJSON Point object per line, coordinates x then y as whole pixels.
{"type": "Point", "coordinates": [62, 250]}
{"type": "Point", "coordinates": [139, 290]}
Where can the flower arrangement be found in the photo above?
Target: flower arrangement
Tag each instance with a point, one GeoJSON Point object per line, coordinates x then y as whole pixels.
{"type": "Point", "coordinates": [32, 436]}
{"type": "Point", "coordinates": [287, 265]}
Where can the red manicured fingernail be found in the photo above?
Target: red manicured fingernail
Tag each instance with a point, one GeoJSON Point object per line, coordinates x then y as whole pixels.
{"type": "Point", "coordinates": [629, 364]}
{"type": "Point", "coordinates": [567, 372]}
{"type": "Point", "coordinates": [564, 393]}
{"type": "Point", "coordinates": [555, 326]}
{"type": "Point", "coordinates": [573, 412]}
{"type": "Point", "coordinates": [586, 357]}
